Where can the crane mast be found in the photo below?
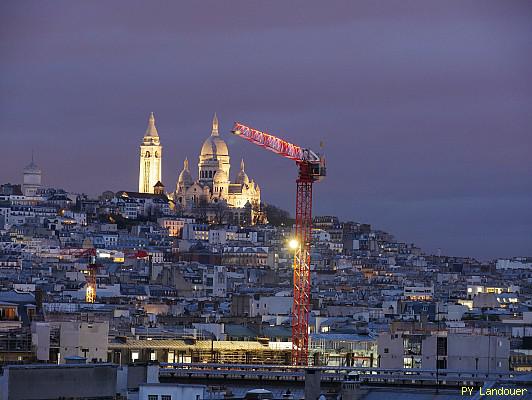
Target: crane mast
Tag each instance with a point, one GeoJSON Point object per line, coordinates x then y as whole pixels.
{"type": "Point", "coordinates": [92, 266]}
{"type": "Point", "coordinates": [92, 270]}
{"type": "Point", "coordinates": [311, 169]}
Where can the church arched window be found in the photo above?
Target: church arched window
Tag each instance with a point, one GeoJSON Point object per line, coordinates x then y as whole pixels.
{"type": "Point", "coordinates": [210, 174]}
{"type": "Point", "coordinates": [147, 154]}
{"type": "Point", "coordinates": [156, 154]}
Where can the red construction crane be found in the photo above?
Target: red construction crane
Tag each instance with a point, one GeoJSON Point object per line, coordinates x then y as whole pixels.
{"type": "Point", "coordinates": [90, 289]}
{"type": "Point", "coordinates": [311, 169]}
{"type": "Point", "coordinates": [92, 270]}
{"type": "Point", "coordinates": [92, 267]}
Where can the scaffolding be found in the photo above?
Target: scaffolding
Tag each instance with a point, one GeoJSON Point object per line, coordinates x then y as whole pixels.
{"type": "Point", "coordinates": [200, 351]}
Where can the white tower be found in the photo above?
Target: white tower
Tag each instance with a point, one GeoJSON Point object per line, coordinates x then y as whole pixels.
{"type": "Point", "coordinates": [32, 179]}
{"type": "Point", "coordinates": [150, 158]}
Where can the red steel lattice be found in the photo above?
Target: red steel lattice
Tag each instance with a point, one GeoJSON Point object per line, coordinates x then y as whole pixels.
{"type": "Point", "coordinates": [301, 304]}
{"type": "Point", "coordinates": [275, 144]}
{"type": "Point", "coordinates": [311, 168]}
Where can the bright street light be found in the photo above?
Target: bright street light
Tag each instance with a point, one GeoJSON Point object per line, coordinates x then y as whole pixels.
{"type": "Point", "coordinates": [293, 244]}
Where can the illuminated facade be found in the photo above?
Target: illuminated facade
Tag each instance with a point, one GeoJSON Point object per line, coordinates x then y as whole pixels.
{"type": "Point", "coordinates": [213, 185]}
{"type": "Point", "coordinates": [150, 158]}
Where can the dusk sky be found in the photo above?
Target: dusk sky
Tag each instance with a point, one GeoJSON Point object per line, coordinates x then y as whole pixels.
{"type": "Point", "coordinates": [425, 107]}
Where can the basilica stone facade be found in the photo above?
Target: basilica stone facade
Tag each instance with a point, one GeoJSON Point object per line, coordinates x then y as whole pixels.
{"type": "Point", "coordinates": [212, 195]}
{"type": "Point", "coordinates": [213, 186]}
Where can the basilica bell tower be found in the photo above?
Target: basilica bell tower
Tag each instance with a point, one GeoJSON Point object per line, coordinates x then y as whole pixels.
{"type": "Point", "coordinates": [150, 158]}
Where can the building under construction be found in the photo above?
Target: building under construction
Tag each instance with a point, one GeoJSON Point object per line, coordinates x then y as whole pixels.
{"type": "Point", "coordinates": [333, 349]}
{"type": "Point", "coordinates": [127, 351]}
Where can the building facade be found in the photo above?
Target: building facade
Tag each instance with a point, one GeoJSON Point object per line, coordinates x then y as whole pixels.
{"type": "Point", "coordinates": [444, 350]}
{"type": "Point", "coordinates": [213, 185]}
{"type": "Point", "coordinates": [150, 158]}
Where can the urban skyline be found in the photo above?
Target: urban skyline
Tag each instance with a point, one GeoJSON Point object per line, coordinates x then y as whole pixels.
{"type": "Point", "coordinates": [435, 116]}
{"type": "Point", "coordinates": [265, 200]}
{"type": "Point", "coordinates": [170, 178]}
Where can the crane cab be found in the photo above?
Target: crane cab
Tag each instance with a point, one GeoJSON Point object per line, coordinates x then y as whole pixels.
{"type": "Point", "coordinates": [311, 171]}
{"type": "Point", "coordinates": [318, 170]}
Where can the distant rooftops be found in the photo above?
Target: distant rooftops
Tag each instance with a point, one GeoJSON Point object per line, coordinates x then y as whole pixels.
{"type": "Point", "coordinates": [138, 195]}
{"type": "Point", "coordinates": [8, 189]}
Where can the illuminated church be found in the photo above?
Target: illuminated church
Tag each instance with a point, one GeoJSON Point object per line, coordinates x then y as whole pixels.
{"type": "Point", "coordinates": [213, 190]}
{"type": "Point", "coordinates": [213, 185]}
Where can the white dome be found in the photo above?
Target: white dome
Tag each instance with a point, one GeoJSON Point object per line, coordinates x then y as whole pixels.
{"type": "Point", "coordinates": [185, 178]}
{"type": "Point", "coordinates": [220, 176]}
{"type": "Point", "coordinates": [214, 147]}
{"type": "Point", "coordinates": [242, 178]}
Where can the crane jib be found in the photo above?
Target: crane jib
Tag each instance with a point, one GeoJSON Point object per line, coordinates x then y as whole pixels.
{"type": "Point", "coordinates": [275, 144]}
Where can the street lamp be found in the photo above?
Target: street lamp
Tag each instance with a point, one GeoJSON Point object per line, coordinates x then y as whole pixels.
{"type": "Point", "coordinates": [293, 244]}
